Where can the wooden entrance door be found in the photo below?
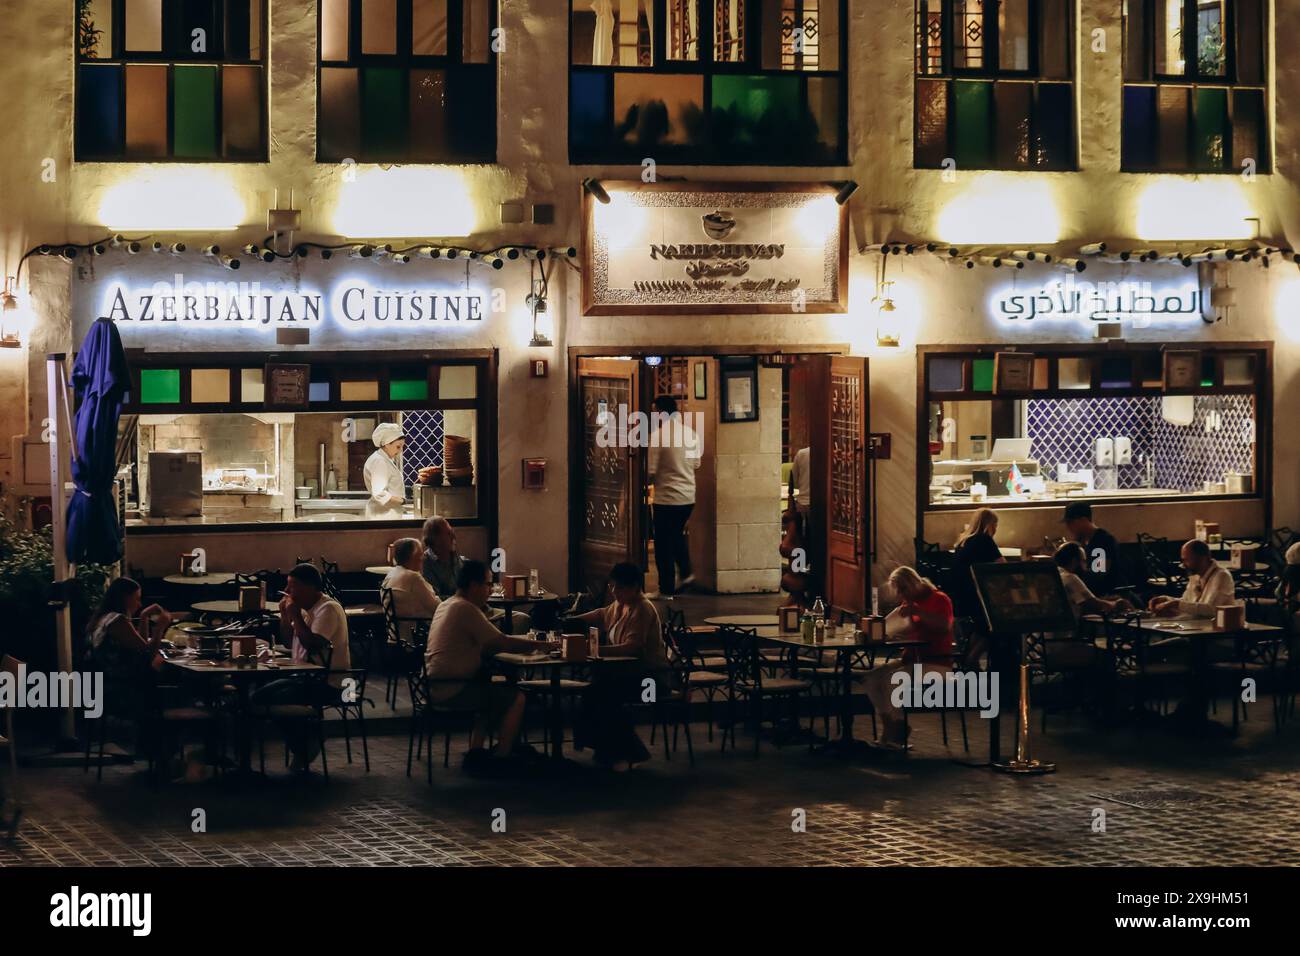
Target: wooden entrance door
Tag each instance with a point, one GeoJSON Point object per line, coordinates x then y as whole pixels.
{"type": "Point", "coordinates": [847, 535]}
{"type": "Point", "coordinates": [609, 527]}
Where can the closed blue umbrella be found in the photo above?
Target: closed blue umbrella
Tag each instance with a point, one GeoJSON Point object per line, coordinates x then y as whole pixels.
{"type": "Point", "coordinates": [100, 379]}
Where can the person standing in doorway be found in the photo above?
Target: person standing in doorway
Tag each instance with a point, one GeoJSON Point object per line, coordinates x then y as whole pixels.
{"type": "Point", "coordinates": [673, 458]}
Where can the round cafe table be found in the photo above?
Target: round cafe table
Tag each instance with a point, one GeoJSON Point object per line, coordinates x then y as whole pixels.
{"type": "Point", "coordinates": [764, 625]}
{"type": "Point", "coordinates": [507, 604]}
{"type": "Point", "coordinates": [212, 579]}
{"type": "Point", "coordinates": [380, 569]}
{"type": "Point", "coordinates": [231, 608]}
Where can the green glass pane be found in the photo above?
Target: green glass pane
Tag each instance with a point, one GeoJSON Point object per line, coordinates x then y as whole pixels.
{"type": "Point", "coordinates": [160, 386]}
{"type": "Point", "coordinates": [408, 390]}
{"type": "Point", "coordinates": [974, 134]}
{"type": "Point", "coordinates": [762, 112]}
{"type": "Point", "coordinates": [383, 112]}
{"type": "Point", "coordinates": [982, 373]}
{"type": "Point", "coordinates": [1212, 135]}
{"type": "Point", "coordinates": [194, 108]}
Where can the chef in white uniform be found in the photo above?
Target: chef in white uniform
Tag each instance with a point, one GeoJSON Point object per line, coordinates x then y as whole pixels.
{"type": "Point", "coordinates": [383, 473]}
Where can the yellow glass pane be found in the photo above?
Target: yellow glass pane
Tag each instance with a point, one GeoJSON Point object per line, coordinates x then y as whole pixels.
{"type": "Point", "coordinates": [334, 30]}
{"type": "Point", "coordinates": [359, 391]}
{"type": "Point", "coordinates": [210, 385]}
{"type": "Point", "coordinates": [143, 26]}
{"type": "Point", "coordinates": [252, 388]}
{"type": "Point", "coordinates": [429, 28]}
{"type": "Point", "coordinates": [379, 26]}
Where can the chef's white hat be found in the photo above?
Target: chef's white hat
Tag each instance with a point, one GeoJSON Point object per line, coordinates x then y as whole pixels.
{"type": "Point", "coordinates": [385, 433]}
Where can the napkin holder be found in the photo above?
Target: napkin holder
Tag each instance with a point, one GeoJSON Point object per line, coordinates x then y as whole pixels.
{"type": "Point", "coordinates": [1229, 617]}
{"type": "Point", "coordinates": [211, 647]}
{"type": "Point", "coordinates": [871, 628]}
{"type": "Point", "coordinates": [1243, 557]}
{"type": "Point", "coordinates": [574, 647]}
{"type": "Point", "coordinates": [516, 586]}
{"type": "Point", "coordinates": [189, 564]}
{"type": "Point", "coordinates": [252, 598]}
{"type": "Point", "coordinates": [243, 646]}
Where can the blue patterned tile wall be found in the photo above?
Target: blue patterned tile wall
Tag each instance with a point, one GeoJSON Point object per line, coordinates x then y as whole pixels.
{"type": "Point", "coordinates": [1064, 431]}
{"type": "Point", "coordinates": [423, 430]}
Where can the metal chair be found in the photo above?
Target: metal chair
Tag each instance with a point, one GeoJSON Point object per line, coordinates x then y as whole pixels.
{"type": "Point", "coordinates": [405, 636]}
{"type": "Point", "coordinates": [746, 679]}
{"type": "Point", "coordinates": [352, 700]}
{"type": "Point", "coordinates": [691, 675]}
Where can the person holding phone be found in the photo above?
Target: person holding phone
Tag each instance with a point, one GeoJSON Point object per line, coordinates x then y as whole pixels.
{"type": "Point", "coordinates": [124, 638]}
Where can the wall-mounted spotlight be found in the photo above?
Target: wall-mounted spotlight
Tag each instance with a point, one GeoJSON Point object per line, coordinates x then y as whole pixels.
{"type": "Point", "coordinates": [846, 191]}
{"type": "Point", "coordinates": [428, 252]}
{"type": "Point", "coordinates": [597, 191]}
{"type": "Point", "coordinates": [230, 262]}
{"type": "Point", "coordinates": [362, 252]}
{"type": "Point", "coordinates": [98, 249]}
{"type": "Point", "coordinates": [536, 255]}
{"type": "Point", "coordinates": [493, 260]}
{"type": "Point", "coordinates": [257, 252]}
{"type": "Point", "coordinates": [401, 258]}
{"type": "Point", "coordinates": [68, 253]}
{"type": "Point", "coordinates": [212, 252]}
{"type": "Point", "coordinates": [327, 253]}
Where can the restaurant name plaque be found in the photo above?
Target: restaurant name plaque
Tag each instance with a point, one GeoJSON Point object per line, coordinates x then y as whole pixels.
{"type": "Point", "coordinates": [696, 248]}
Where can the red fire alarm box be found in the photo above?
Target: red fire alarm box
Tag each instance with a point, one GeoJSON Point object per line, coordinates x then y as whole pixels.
{"type": "Point", "coordinates": [534, 474]}
{"type": "Point", "coordinates": [538, 368]}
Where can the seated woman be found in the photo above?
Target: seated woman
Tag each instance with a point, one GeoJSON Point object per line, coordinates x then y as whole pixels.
{"type": "Point", "coordinates": [630, 627]}
{"type": "Point", "coordinates": [927, 612]}
{"type": "Point", "coordinates": [116, 645]}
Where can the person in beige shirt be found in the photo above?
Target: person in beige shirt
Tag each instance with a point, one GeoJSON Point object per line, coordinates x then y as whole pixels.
{"type": "Point", "coordinates": [413, 597]}
{"type": "Point", "coordinates": [461, 638]}
{"type": "Point", "coordinates": [629, 627]}
{"type": "Point", "coordinates": [1209, 585]}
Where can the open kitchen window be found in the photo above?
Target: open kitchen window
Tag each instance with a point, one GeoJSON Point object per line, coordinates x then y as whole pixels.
{"type": "Point", "coordinates": [407, 81]}
{"type": "Point", "coordinates": [995, 85]}
{"type": "Point", "coordinates": [1196, 86]}
{"type": "Point", "coordinates": [171, 80]}
{"type": "Point", "coordinates": [1060, 424]}
{"type": "Point", "coordinates": [754, 82]}
{"type": "Point", "coordinates": [246, 442]}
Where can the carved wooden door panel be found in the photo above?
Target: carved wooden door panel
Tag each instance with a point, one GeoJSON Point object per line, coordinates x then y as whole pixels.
{"type": "Point", "coordinates": [848, 571]}
{"type": "Point", "coordinates": [611, 475]}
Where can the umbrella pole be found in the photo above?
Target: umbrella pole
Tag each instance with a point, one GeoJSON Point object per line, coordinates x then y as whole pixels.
{"type": "Point", "coordinates": [56, 380]}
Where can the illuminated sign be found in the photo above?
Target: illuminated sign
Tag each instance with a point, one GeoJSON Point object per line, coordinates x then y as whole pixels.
{"type": "Point", "coordinates": [1136, 302]}
{"type": "Point", "coordinates": [247, 304]}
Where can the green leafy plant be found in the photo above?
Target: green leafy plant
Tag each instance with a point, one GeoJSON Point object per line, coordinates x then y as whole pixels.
{"type": "Point", "coordinates": [87, 33]}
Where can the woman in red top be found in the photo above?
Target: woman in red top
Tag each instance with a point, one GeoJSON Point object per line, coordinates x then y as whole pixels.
{"type": "Point", "coordinates": [928, 613]}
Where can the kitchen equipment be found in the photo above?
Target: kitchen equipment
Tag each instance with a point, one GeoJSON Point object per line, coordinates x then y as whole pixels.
{"type": "Point", "coordinates": [1240, 483]}
{"type": "Point", "coordinates": [175, 484]}
{"type": "Point", "coordinates": [1105, 453]}
{"type": "Point", "coordinates": [1123, 451]}
{"type": "Point", "coordinates": [425, 500]}
{"type": "Point", "coordinates": [302, 492]}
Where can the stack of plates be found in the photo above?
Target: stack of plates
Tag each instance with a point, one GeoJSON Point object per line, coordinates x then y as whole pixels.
{"type": "Point", "coordinates": [457, 463]}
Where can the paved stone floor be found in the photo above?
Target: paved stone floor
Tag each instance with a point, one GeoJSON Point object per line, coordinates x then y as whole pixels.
{"type": "Point", "coordinates": [1167, 802]}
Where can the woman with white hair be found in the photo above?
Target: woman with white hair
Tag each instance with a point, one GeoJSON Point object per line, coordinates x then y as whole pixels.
{"type": "Point", "coordinates": [383, 474]}
{"type": "Point", "coordinates": [927, 612]}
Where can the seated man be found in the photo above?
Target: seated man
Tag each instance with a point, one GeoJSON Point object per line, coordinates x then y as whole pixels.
{"type": "Point", "coordinates": [1063, 651]}
{"type": "Point", "coordinates": [460, 638]}
{"type": "Point", "coordinates": [413, 597]}
{"type": "Point", "coordinates": [928, 613]}
{"type": "Point", "coordinates": [316, 628]}
{"type": "Point", "coordinates": [1070, 561]}
{"type": "Point", "coordinates": [630, 627]}
{"type": "Point", "coordinates": [442, 564]}
{"type": "Point", "coordinates": [1209, 585]}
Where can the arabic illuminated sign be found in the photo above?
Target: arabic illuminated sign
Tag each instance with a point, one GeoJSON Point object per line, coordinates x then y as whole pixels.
{"type": "Point", "coordinates": [1137, 302]}
{"type": "Point", "coordinates": [234, 305]}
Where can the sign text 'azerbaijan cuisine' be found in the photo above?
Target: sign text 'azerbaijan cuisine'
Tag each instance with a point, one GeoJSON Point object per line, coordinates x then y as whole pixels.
{"type": "Point", "coordinates": [684, 248]}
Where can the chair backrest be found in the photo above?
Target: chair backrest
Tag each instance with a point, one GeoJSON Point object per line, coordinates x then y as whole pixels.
{"type": "Point", "coordinates": [740, 648]}
{"type": "Point", "coordinates": [392, 627]}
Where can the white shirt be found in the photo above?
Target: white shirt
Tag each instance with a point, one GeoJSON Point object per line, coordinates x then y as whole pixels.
{"type": "Point", "coordinates": [459, 638]}
{"type": "Point", "coordinates": [1076, 590]}
{"type": "Point", "coordinates": [385, 483]}
{"type": "Point", "coordinates": [326, 619]}
{"type": "Point", "coordinates": [801, 477]}
{"type": "Point", "coordinates": [1205, 595]}
{"type": "Point", "coordinates": [413, 597]}
{"type": "Point", "coordinates": [674, 455]}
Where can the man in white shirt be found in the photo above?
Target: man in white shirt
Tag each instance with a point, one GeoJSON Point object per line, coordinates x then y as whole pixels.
{"type": "Point", "coordinates": [1209, 585]}
{"type": "Point", "coordinates": [1070, 561]}
{"type": "Point", "coordinates": [316, 628]}
{"type": "Point", "coordinates": [672, 460]}
{"type": "Point", "coordinates": [413, 597]}
{"type": "Point", "coordinates": [461, 638]}
{"type": "Point", "coordinates": [801, 480]}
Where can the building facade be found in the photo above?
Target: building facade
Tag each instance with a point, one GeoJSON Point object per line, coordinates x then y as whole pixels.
{"type": "Point", "coordinates": [987, 129]}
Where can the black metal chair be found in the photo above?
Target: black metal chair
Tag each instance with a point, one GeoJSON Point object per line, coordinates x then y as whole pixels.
{"type": "Point", "coordinates": [691, 675]}
{"type": "Point", "coordinates": [425, 712]}
{"type": "Point", "coordinates": [404, 637]}
{"type": "Point", "coordinates": [310, 712]}
{"type": "Point", "coordinates": [351, 700]}
{"type": "Point", "coordinates": [747, 680]}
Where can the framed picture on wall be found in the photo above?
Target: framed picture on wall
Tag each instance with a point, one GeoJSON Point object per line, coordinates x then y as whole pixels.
{"type": "Point", "coordinates": [739, 377]}
{"type": "Point", "coordinates": [1182, 369]}
{"type": "Point", "coordinates": [701, 381]}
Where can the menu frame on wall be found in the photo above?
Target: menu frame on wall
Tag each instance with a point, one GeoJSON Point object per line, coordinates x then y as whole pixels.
{"type": "Point", "coordinates": [731, 264]}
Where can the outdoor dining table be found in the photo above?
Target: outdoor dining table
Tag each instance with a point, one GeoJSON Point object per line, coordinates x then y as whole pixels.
{"type": "Point", "coordinates": [508, 604]}
{"type": "Point", "coordinates": [232, 609]}
{"type": "Point", "coordinates": [211, 579]}
{"type": "Point", "coordinates": [380, 569]}
{"type": "Point", "coordinates": [554, 666]}
{"type": "Point", "coordinates": [845, 648]}
{"type": "Point", "coordinates": [1192, 714]}
{"type": "Point", "coordinates": [242, 677]}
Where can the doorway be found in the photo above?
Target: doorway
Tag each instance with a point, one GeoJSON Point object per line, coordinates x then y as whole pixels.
{"type": "Point", "coordinates": [778, 434]}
